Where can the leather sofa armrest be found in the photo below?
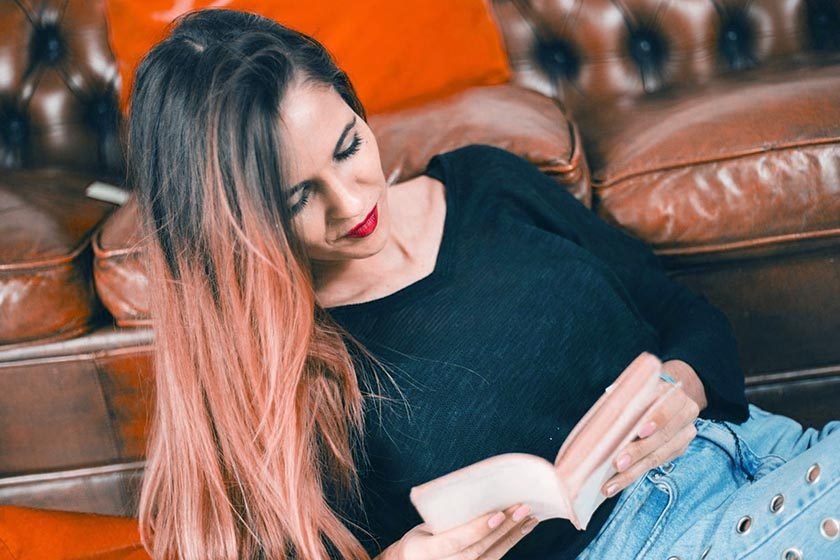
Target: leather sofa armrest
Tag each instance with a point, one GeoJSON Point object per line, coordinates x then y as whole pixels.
{"type": "Point", "coordinates": [45, 255]}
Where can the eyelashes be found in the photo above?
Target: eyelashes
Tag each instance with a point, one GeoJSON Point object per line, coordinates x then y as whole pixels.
{"type": "Point", "coordinates": [341, 156]}
{"type": "Point", "coordinates": [298, 206]}
{"type": "Point", "coordinates": [352, 149]}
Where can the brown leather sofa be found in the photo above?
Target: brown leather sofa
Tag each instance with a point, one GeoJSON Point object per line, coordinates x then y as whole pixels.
{"type": "Point", "coordinates": [710, 129]}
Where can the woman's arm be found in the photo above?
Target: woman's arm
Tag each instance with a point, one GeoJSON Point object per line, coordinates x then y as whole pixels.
{"type": "Point", "coordinates": [696, 339]}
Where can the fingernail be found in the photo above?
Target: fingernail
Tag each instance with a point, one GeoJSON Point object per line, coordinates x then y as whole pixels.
{"type": "Point", "coordinates": [623, 462]}
{"type": "Point", "coordinates": [521, 512]}
{"type": "Point", "coordinates": [647, 429]}
{"type": "Point", "coordinates": [529, 525]}
{"type": "Point", "coordinates": [611, 490]}
{"type": "Point", "coordinates": [496, 520]}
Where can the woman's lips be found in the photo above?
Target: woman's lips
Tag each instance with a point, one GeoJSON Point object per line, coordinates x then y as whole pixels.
{"type": "Point", "coordinates": [367, 226]}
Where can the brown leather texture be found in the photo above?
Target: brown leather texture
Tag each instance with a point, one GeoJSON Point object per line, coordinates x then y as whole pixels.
{"type": "Point", "coordinates": [108, 489]}
{"type": "Point", "coordinates": [73, 421]}
{"type": "Point", "coordinates": [119, 269]}
{"type": "Point", "coordinates": [812, 401]}
{"type": "Point", "coordinates": [74, 411]}
{"type": "Point", "coordinates": [46, 289]}
{"type": "Point", "coordinates": [58, 87]}
{"type": "Point", "coordinates": [731, 163]}
{"type": "Point", "coordinates": [783, 303]}
{"type": "Point", "coordinates": [582, 51]}
{"type": "Point", "coordinates": [513, 118]}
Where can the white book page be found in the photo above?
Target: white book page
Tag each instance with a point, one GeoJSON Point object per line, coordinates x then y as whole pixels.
{"type": "Point", "coordinates": [490, 485]}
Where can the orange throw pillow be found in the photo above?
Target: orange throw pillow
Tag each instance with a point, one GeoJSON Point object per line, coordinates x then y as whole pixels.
{"type": "Point", "coordinates": [38, 534]}
{"type": "Point", "coordinates": [397, 52]}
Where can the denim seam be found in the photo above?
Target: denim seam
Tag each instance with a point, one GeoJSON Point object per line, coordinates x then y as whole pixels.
{"type": "Point", "coordinates": [738, 449]}
{"type": "Point", "coordinates": [659, 525]}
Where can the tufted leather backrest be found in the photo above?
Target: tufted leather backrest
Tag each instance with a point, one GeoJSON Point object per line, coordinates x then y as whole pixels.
{"type": "Point", "coordinates": [579, 50]}
{"type": "Point", "coordinates": [58, 87]}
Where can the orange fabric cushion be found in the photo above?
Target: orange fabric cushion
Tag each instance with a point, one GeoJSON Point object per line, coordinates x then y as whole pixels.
{"type": "Point", "coordinates": [36, 534]}
{"type": "Point", "coordinates": [397, 53]}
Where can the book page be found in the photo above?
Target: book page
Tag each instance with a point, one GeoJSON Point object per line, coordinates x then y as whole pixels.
{"type": "Point", "coordinates": [489, 485]}
{"type": "Point", "coordinates": [571, 487]}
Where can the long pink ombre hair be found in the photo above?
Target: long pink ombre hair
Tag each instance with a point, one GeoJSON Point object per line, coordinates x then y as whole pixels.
{"type": "Point", "coordinates": [257, 401]}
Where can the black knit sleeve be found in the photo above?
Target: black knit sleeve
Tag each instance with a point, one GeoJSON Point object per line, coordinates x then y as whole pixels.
{"type": "Point", "coordinates": [690, 328]}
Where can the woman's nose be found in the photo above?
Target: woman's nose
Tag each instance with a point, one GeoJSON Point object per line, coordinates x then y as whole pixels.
{"type": "Point", "coordinates": [345, 199]}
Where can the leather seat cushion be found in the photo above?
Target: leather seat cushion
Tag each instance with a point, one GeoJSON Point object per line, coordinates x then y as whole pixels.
{"type": "Point", "coordinates": [45, 282]}
{"type": "Point", "coordinates": [510, 117]}
{"type": "Point", "coordinates": [740, 162]}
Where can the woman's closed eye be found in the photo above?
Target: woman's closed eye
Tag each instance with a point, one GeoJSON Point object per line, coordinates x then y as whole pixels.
{"type": "Point", "coordinates": [352, 149]}
{"type": "Point", "coordinates": [354, 146]}
{"type": "Point", "coordinates": [304, 198]}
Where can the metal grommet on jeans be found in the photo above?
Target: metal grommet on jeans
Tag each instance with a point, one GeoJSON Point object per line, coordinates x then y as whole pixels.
{"type": "Point", "coordinates": [760, 490]}
{"type": "Point", "coordinates": [830, 528]}
{"type": "Point", "coordinates": [777, 503]}
{"type": "Point", "coordinates": [792, 553]}
{"type": "Point", "coordinates": [813, 474]}
{"type": "Point", "coordinates": [743, 525]}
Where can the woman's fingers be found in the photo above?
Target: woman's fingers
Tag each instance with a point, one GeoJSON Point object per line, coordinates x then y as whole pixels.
{"type": "Point", "coordinates": [499, 547]}
{"type": "Point", "coordinates": [472, 537]}
{"type": "Point", "coordinates": [676, 403]}
{"type": "Point", "coordinates": [661, 426]}
{"type": "Point", "coordinates": [670, 427]}
{"type": "Point", "coordinates": [668, 450]}
{"type": "Point", "coordinates": [495, 545]}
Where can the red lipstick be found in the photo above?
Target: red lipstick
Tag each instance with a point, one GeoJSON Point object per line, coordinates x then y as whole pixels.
{"type": "Point", "coordinates": [367, 226]}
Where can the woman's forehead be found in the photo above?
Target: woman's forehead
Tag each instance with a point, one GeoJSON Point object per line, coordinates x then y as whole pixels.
{"type": "Point", "coordinates": [310, 108]}
{"type": "Point", "coordinates": [314, 118]}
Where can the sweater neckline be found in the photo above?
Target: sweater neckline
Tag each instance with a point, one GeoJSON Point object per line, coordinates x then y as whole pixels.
{"type": "Point", "coordinates": [443, 262]}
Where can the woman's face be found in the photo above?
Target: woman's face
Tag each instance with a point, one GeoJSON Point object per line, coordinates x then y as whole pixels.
{"type": "Point", "coordinates": [336, 180]}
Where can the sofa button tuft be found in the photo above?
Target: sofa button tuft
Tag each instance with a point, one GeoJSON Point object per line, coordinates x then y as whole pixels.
{"type": "Point", "coordinates": [558, 58]}
{"type": "Point", "coordinates": [47, 44]}
{"type": "Point", "coordinates": [13, 127]}
{"type": "Point", "coordinates": [736, 41]}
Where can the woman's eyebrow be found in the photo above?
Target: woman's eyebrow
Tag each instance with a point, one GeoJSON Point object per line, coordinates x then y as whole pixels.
{"type": "Point", "coordinates": [344, 132]}
{"type": "Point", "coordinates": [300, 186]}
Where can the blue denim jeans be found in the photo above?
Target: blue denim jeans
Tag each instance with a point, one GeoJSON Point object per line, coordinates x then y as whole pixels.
{"type": "Point", "coordinates": [764, 489]}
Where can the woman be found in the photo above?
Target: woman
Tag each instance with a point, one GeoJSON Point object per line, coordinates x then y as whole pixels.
{"type": "Point", "coordinates": [290, 281]}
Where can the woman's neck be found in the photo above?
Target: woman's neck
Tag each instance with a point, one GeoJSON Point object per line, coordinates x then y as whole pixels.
{"type": "Point", "coordinates": [416, 210]}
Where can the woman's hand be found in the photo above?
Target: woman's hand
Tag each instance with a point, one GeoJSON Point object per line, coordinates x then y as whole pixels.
{"type": "Point", "coordinates": [488, 537]}
{"type": "Point", "coordinates": [668, 433]}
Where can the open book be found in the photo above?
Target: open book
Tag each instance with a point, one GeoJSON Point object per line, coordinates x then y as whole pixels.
{"type": "Point", "coordinates": [571, 487]}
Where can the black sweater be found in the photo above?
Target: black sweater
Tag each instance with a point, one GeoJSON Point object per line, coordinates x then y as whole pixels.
{"type": "Point", "coordinates": [534, 307]}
